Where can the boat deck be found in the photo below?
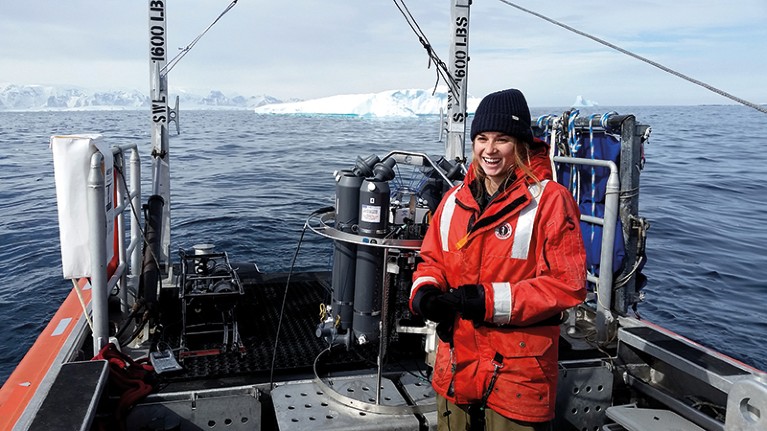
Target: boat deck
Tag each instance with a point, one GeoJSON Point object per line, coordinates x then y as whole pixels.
{"type": "Point", "coordinates": [258, 317]}
{"type": "Point", "coordinates": [272, 380]}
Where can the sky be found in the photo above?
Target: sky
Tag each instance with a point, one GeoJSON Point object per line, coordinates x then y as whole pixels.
{"type": "Point", "coordinates": [310, 48]}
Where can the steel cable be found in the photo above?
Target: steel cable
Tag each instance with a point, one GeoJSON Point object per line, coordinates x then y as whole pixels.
{"type": "Point", "coordinates": [639, 57]}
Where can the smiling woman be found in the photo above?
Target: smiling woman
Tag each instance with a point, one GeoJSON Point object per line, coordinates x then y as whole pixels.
{"type": "Point", "coordinates": [502, 259]}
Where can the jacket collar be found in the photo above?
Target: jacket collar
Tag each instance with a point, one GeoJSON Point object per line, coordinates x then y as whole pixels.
{"type": "Point", "coordinates": [540, 164]}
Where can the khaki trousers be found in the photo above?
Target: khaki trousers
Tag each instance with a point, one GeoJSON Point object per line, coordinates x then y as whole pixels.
{"type": "Point", "coordinates": [453, 418]}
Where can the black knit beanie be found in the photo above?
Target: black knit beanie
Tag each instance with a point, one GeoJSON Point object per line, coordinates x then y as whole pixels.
{"type": "Point", "coordinates": [504, 111]}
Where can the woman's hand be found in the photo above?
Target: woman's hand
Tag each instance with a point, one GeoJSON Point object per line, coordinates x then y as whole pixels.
{"type": "Point", "coordinates": [433, 304]}
{"type": "Point", "coordinates": [468, 300]}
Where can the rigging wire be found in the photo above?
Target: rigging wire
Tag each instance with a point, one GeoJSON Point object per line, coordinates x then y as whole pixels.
{"type": "Point", "coordinates": [184, 51]}
{"type": "Point", "coordinates": [285, 294]}
{"type": "Point", "coordinates": [282, 308]}
{"type": "Point", "coordinates": [442, 70]}
{"type": "Point", "coordinates": [639, 57]}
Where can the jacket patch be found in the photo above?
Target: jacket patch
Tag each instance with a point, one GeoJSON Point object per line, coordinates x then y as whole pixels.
{"type": "Point", "coordinates": [503, 231]}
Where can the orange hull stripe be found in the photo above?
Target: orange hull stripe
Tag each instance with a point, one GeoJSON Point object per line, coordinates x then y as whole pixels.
{"type": "Point", "coordinates": [25, 380]}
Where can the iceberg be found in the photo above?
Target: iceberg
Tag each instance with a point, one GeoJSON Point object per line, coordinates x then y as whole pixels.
{"type": "Point", "coordinates": [390, 103]}
{"type": "Point", "coordinates": [581, 102]}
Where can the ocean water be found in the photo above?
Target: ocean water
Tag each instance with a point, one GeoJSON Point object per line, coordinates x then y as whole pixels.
{"type": "Point", "coordinates": [248, 182]}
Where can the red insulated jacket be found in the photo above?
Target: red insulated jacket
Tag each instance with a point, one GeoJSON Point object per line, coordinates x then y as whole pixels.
{"type": "Point", "coordinates": [526, 250]}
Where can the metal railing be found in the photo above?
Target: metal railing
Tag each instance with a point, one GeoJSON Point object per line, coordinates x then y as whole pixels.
{"type": "Point", "coordinates": [603, 282]}
{"type": "Point", "coordinates": [128, 198]}
{"type": "Point", "coordinates": [621, 203]}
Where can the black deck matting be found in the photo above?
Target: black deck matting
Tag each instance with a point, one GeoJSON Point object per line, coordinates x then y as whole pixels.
{"type": "Point", "coordinates": [258, 314]}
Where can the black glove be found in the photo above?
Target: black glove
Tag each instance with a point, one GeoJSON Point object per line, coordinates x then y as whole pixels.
{"type": "Point", "coordinates": [429, 302]}
{"type": "Point", "coordinates": [468, 300]}
{"type": "Point", "coordinates": [445, 331]}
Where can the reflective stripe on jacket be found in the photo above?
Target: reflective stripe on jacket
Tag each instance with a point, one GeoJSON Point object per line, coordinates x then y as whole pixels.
{"type": "Point", "coordinates": [526, 250]}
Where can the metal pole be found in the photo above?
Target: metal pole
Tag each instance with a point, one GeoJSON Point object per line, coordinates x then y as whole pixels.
{"type": "Point", "coordinates": [605, 285]}
{"type": "Point", "coordinates": [458, 66]}
{"type": "Point", "coordinates": [160, 116]}
{"type": "Point", "coordinates": [120, 187]}
{"type": "Point", "coordinates": [631, 159]}
{"type": "Point", "coordinates": [382, 338]}
{"type": "Point", "coordinates": [135, 223]}
{"type": "Point", "coordinates": [98, 251]}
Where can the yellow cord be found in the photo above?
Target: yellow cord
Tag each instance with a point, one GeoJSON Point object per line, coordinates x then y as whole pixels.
{"type": "Point", "coordinates": [82, 303]}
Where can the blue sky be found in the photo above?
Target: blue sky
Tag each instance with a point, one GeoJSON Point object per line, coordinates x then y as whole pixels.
{"type": "Point", "coordinates": [309, 48]}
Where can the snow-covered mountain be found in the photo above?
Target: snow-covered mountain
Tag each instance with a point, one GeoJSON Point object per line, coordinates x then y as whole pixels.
{"type": "Point", "coordinates": [17, 97]}
{"type": "Point", "coordinates": [392, 103]}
